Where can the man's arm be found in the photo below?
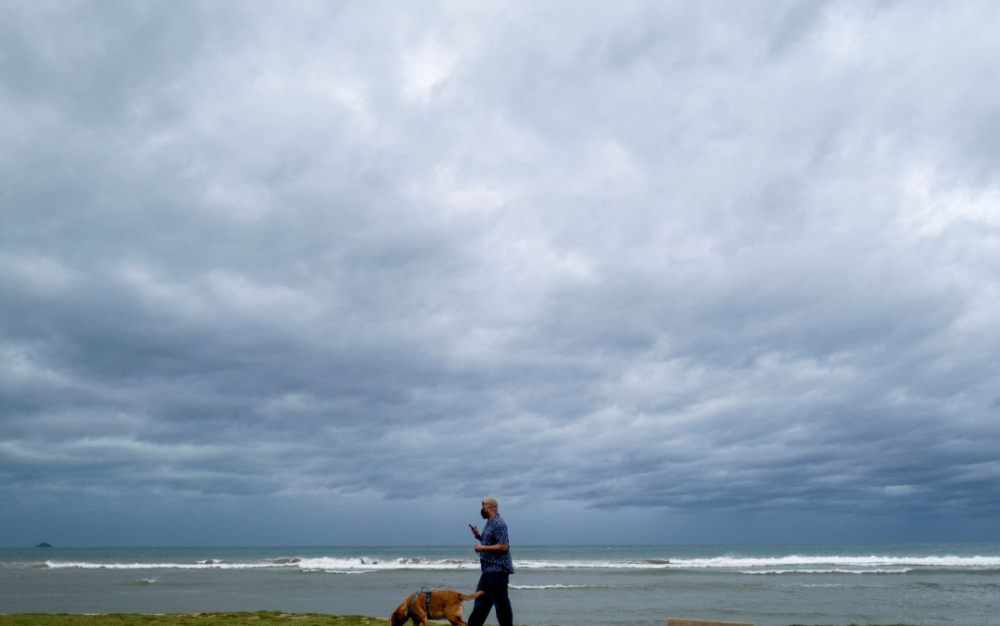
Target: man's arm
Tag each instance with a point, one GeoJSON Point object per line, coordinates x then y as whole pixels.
{"type": "Point", "coordinates": [501, 544]}
{"type": "Point", "coordinates": [497, 547]}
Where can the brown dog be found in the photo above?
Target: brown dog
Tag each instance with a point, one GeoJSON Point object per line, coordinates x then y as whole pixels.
{"type": "Point", "coordinates": [445, 604]}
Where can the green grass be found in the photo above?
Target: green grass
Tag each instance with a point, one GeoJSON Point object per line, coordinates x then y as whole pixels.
{"type": "Point", "coordinates": [262, 618]}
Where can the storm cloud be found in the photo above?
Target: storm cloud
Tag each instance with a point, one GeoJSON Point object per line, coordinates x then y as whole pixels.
{"type": "Point", "coordinates": [302, 272]}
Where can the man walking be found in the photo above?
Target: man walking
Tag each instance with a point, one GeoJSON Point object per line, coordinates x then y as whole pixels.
{"type": "Point", "coordinates": [496, 565]}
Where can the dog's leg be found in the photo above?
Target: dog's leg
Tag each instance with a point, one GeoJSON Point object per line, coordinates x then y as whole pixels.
{"type": "Point", "coordinates": [454, 615]}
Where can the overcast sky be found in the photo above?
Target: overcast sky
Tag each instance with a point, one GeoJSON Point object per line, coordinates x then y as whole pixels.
{"type": "Point", "coordinates": [332, 272]}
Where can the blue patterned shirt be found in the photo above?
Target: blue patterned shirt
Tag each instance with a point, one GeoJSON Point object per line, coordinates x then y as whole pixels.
{"type": "Point", "coordinates": [494, 562]}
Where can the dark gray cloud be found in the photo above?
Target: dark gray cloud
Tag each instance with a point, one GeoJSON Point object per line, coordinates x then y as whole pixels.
{"type": "Point", "coordinates": [280, 273]}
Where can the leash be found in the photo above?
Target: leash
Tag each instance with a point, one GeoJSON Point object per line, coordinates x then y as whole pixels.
{"type": "Point", "coordinates": [424, 590]}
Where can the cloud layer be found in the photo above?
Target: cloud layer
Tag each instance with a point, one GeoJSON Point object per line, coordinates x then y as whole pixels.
{"type": "Point", "coordinates": [680, 260]}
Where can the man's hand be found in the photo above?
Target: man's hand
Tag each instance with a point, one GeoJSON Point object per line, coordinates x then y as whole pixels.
{"type": "Point", "coordinates": [475, 532]}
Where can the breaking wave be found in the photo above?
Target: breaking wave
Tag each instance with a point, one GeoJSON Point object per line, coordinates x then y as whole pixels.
{"type": "Point", "coordinates": [778, 572]}
{"type": "Point", "coordinates": [331, 565]}
{"type": "Point", "coordinates": [834, 562]}
{"type": "Point", "coordinates": [547, 587]}
{"type": "Point", "coordinates": [757, 566]}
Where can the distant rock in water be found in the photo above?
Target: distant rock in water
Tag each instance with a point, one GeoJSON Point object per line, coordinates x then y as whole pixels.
{"type": "Point", "coordinates": [44, 545]}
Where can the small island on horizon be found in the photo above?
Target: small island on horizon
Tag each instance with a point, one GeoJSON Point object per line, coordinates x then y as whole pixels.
{"type": "Point", "coordinates": [44, 544]}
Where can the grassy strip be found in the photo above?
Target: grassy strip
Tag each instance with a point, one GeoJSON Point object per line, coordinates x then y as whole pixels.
{"type": "Point", "coordinates": [263, 618]}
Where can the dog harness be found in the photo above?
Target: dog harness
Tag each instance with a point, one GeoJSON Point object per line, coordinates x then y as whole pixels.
{"type": "Point", "coordinates": [409, 611]}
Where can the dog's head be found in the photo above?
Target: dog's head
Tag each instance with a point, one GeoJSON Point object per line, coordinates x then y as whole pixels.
{"type": "Point", "coordinates": [400, 615]}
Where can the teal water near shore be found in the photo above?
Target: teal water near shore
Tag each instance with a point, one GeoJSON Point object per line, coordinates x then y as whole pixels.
{"type": "Point", "coordinates": [770, 585]}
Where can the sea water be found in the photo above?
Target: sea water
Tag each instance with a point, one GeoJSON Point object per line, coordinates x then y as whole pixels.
{"type": "Point", "coordinates": [570, 585]}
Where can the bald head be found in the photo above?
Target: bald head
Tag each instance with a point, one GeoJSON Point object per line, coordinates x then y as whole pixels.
{"type": "Point", "coordinates": [490, 508]}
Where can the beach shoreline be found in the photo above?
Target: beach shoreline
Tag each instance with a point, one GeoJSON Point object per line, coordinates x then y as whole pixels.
{"type": "Point", "coordinates": [933, 584]}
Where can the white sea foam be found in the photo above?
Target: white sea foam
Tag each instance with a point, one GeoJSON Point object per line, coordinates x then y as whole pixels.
{"type": "Point", "coordinates": [545, 587]}
{"type": "Point", "coordinates": [769, 565]}
{"type": "Point", "coordinates": [775, 572]}
{"type": "Point", "coordinates": [141, 566]}
{"type": "Point", "coordinates": [364, 564]}
{"type": "Point", "coordinates": [331, 565]}
{"type": "Point", "coordinates": [785, 562]}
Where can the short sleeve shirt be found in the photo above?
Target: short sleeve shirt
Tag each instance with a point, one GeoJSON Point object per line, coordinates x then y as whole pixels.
{"type": "Point", "coordinates": [495, 562]}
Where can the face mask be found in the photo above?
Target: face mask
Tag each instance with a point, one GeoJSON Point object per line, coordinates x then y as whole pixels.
{"type": "Point", "coordinates": [483, 513]}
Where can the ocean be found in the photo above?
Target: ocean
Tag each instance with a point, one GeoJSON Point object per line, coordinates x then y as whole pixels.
{"type": "Point", "coordinates": [768, 585]}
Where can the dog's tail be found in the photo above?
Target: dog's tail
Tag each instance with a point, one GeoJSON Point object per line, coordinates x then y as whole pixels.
{"type": "Point", "coordinates": [464, 597]}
